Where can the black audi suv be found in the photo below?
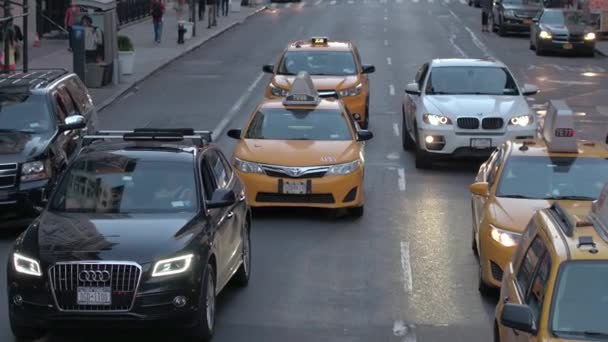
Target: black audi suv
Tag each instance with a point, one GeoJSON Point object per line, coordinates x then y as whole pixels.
{"type": "Point", "coordinates": [145, 226]}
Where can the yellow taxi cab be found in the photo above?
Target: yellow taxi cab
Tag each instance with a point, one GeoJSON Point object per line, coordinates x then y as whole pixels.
{"type": "Point", "coordinates": [556, 286]}
{"type": "Point", "coordinates": [523, 176]}
{"type": "Point", "coordinates": [302, 151]}
{"type": "Point", "coordinates": [336, 70]}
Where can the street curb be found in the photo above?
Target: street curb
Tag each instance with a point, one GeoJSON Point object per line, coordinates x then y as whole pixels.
{"type": "Point", "coordinates": [124, 89]}
{"type": "Point", "coordinates": [599, 52]}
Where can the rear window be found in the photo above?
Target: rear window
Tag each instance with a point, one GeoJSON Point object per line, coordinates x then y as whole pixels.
{"type": "Point", "coordinates": [21, 112]}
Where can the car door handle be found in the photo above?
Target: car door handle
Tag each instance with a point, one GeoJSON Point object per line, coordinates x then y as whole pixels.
{"type": "Point", "coordinates": [242, 198]}
{"type": "Point", "coordinates": [230, 214]}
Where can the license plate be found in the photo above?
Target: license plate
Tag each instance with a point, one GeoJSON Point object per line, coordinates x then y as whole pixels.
{"type": "Point", "coordinates": [567, 46]}
{"type": "Point", "coordinates": [481, 143]}
{"type": "Point", "coordinates": [94, 296]}
{"type": "Point", "coordinates": [527, 21]}
{"type": "Point", "coordinates": [292, 187]}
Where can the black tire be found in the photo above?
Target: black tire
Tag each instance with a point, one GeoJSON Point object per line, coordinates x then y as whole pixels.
{"type": "Point", "coordinates": [205, 326]}
{"type": "Point", "coordinates": [406, 139]}
{"type": "Point", "coordinates": [423, 159]}
{"type": "Point", "coordinates": [483, 288]}
{"type": "Point", "coordinates": [365, 123]}
{"type": "Point", "coordinates": [356, 211]}
{"type": "Point", "coordinates": [26, 333]}
{"type": "Point", "coordinates": [493, 24]}
{"type": "Point", "coordinates": [539, 51]}
{"type": "Point", "coordinates": [241, 277]}
{"type": "Point", "coordinates": [473, 240]}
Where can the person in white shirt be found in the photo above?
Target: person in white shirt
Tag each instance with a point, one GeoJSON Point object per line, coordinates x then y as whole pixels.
{"type": "Point", "coordinates": [93, 39]}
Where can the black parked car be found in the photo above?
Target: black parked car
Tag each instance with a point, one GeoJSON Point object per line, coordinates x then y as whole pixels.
{"type": "Point", "coordinates": [42, 115]}
{"type": "Point", "coordinates": [145, 226]}
{"type": "Point", "coordinates": [559, 30]}
{"type": "Point", "coordinates": [514, 15]}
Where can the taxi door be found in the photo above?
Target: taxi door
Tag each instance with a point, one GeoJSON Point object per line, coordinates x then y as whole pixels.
{"type": "Point", "coordinates": [487, 173]}
{"type": "Point", "coordinates": [527, 283]}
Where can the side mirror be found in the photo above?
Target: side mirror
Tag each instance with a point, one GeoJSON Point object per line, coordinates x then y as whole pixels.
{"type": "Point", "coordinates": [480, 189]}
{"type": "Point", "coordinates": [73, 122]}
{"type": "Point", "coordinates": [529, 90]}
{"type": "Point", "coordinates": [364, 135]}
{"type": "Point", "coordinates": [412, 89]}
{"type": "Point", "coordinates": [518, 317]}
{"type": "Point", "coordinates": [367, 69]}
{"type": "Point", "coordinates": [534, 20]}
{"type": "Point", "coordinates": [268, 68]}
{"type": "Point", "coordinates": [221, 198]}
{"type": "Point", "coordinates": [234, 133]}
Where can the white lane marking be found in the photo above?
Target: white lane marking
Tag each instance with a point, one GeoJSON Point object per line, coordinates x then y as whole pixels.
{"type": "Point", "coordinates": [415, 1]}
{"type": "Point", "coordinates": [385, 18]}
{"type": "Point", "coordinates": [350, 2]}
{"type": "Point", "coordinates": [287, 5]}
{"type": "Point", "coordinates": [385, 42]}
{"type": "Point", "coordinates": [396, 129]}
{"type": "Point", "coordinates": [393, 156]}
{"type": "Point", "coordinates": [431, 1]}
{"type": "Point", "coordinates": [479, 43]}
{"type": "Point", "coordinates": [464, 2]}
{"type": "Point", "coordinates": [391, 90]}
{"type": "Point", "coordinates": [571, 82]}
{"type": "Point", "coordinates": [385, 29]}
{"type": "Point", "coordinates": [333, 2]}
{"type": "Point", "coordinates": [318, 2]}
{"type": "Point", "coordinates": [235, 108]}
{"type": "Point", "coordinates": [406, 267]}
{"type": "Point", "coordinates": [460, 51]}
{"type": "Point", "coordinates": [389, 61]}
{"type": "Point", "coordinates": [402, 183]}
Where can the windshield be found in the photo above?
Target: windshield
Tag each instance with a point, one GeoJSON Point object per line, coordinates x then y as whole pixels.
{"type": "Point", "coordinates": [118, 184]}
{"type": "Point", "coordinates": [337, 63]}
{"type": "Point", "coordinates": [565, 18]}
{"type": "Point", "coordinates": [19, 112]}
{"type": "Point", "coordinates": [553, 178]}
{"type": "Point", "coordinates": [299, 124]}
{"type": "Point", "coordinates": [471, 80]}
{"type": "Point", "coordinates": [581, 300]}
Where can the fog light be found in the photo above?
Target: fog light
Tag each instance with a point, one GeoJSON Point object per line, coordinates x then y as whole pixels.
{"type": "Point", "coordinates": [18, 300]}
{"type": "Point", "coordinates": [429, 139]}
{"type": "Point", "coordinates": [357, 116]}
{"type": "Point", "coordinates": [179, 301]}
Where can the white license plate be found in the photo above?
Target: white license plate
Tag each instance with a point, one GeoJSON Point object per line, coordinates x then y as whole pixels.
{"type": "Point", "coordinates": [481, 143]}
{"type": "Point", "coordinates": [294, 187]}
{"type": "Point", "coordinates": [567, 46]}
{"type": "Point", "coordinates": [94, 296]}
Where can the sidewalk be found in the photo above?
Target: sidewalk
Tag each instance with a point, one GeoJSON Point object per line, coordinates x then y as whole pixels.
{"type": "Point", "coordinates": [149, 57]}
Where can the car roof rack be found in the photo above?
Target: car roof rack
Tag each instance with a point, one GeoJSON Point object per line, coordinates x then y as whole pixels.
{"type": "Point", "coordinates": [32, 78]}
{"type": "Point", "coordinates": [200, 138]}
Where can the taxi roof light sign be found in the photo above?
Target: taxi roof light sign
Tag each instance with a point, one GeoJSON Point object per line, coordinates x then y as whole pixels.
{"type": "Point", "coordinates": [320, 40]}
{"type": "Point", "coordinates": [303, 92]}
{"type": "Point", "coordinates": [558, 130]}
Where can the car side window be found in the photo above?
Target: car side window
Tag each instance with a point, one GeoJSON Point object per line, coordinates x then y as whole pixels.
{"type": "Point", "coordinates": [60, 107]}
{"type": "Point", "coordinates": [421, 76]}
{"type": "Point", "coordinates": [208, 180]}
{"type": "Point", "coordinates": [218, 169]}
{"type": "Point", "coordinates": [495, 166]}
{"type": "Point", "coordinates": [227, 167]}
{"type": "Point", "coordinates": [536, 297]}
{"type": "Point", "coordinates": [528, 265]}
{"type": "Point", "coordinates": [79, 95]}
{"type": "Point", "coordinates": [357, 56]}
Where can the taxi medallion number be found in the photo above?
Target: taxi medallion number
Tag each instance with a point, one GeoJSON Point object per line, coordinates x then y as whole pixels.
{"type": "Point", "coordinates": [481, 144]}
{"type": "Point", "coordinates": [567, 46]}
{"type": "Point", "coordinates": [293, 187]}
{"type": "Point", "coordinates": [94, 296]}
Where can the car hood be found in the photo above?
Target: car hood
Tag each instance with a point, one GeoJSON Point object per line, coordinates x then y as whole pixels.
{"type": "Point", "coordinates": [140, 238]}
{"type": "Point", "coordinates": [522, 7]}
{"type": "Point", "coordinates": [320, 82]}
{"type": "Point", "coordinates": [18, 147]}
{"type": "Point", "coordinates": [297, 152]}
{"type": "Point", "coordinates": [513, 214]}
{"type": "Point", "coordinates": [567, 29]}
{"type": "Point", "coordinates": [474, 105]}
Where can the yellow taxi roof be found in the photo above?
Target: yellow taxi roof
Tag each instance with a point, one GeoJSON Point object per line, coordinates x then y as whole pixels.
{"type": "Point", "coordinates": [539, 148]}
{"type": "Point", "coordinates": [278, 103]}
{"type": "Point", "coordinates": [330, 46]}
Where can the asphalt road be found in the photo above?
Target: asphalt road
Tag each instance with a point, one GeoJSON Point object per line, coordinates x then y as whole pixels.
{"type": "Point", "coordinates": [403, 272]}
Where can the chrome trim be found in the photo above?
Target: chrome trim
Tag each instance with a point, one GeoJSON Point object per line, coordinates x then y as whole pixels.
{"type": "Point", "coordinates": [294, 171]}
{"type": "Point", "coordinates": [94, 262]}
{"type": "Point", "coordinates": [9, 170]}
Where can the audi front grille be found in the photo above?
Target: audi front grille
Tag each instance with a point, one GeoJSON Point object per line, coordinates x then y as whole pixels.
{"type": "Point", "coordinates": [122, 278]}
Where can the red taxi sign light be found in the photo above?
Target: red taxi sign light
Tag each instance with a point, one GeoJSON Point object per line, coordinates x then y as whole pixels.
{"type": "Point", "coordinates": [564, 132]}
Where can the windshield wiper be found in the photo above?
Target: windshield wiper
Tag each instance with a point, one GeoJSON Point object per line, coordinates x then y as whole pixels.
{"type": "Point", "coordinates": [9, 130]}
{"type": "Point", "coordinates": [584, 333]}
{"type": "Point", "coordinates": [286, 74]}
{"type": "Point", "coordinates": [572, 197]}
{"type": "Point", "coordinates": [516, 196]}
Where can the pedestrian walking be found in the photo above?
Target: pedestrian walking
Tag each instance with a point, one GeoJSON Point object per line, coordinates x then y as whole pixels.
{"type": "Point", "coordinates": [10, 37]}
{"type": "Point", "coordinates": [225, 7]}
{"type": "Point", "coordinates": [486, 12]}
{"type": "Point", "coordinates": [68, 21]}
{"type": "Point", "coordinates": [218, 3]}
{"type": "Point", "coordinates": [201, 9]}
{"type": "Point", "coordinates": [157, 10]}
{"type": "Point", "coordinates": [212, 15]}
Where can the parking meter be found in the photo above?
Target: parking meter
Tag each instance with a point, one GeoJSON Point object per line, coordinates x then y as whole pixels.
{"type": "Point", "coordinates": [79, 51]}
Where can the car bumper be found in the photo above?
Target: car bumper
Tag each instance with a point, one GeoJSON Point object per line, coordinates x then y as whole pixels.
{"type": "Point", "coordinates": [517, 24]}
{"type": "Point", "coordinates": [448, 142]}
{"type": "Point", "coordinates": [494, 257]}
{"type": "Point", "coordinates": [19, 206]}
{"type": "Point", "coordinates": [339, 191]}
{"type": "Point", "coordinates": [153, 303]}
{"type": "Point", "coordinates": [560, 46]}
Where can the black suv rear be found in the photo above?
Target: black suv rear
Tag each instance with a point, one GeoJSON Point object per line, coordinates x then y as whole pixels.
{"type": "Point", "coordinates": [42, 114]}
{"type": "Point", "coordinates": [514, 15]}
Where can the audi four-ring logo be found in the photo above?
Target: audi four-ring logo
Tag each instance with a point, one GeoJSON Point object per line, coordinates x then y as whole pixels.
{"type": "Point", "coordinates": [88, 275]}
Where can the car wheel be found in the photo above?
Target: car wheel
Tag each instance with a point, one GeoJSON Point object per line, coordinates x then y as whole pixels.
{"type": "Point", "coordinates": [356, 211]}
{"type": "Point", "coordinates": [539, 51]}
{"type": "Point", "coordinates": [493, 24]}
{"type": "Point", "coordinates": [205, 326]}
{"type": "Point", "coordinates": [423, 158]}
{"type": "Point", "coordinates": [242, 275]}
{"type": "Point", "coordinates": [25, 333]}
{"type": "Point", "coordinates": [532, 47]}
{"type": "Point", "coordinates": [483, 288]}
{"type": "Point", "coordinates": [406, 139]}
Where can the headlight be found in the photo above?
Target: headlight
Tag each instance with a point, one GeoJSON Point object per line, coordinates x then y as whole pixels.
{"type": "Point", "coordinates": [354, 91]}
{"type": "Point", "coordinates": [505, 238]}
{"type": "Point", "coordinates": [522, 120]}
{"type": "Point", "coordinates": [172, 266]}
{"type": "Point", "coordinates": [26, 265]}
{"type": "Point", "coordinates": [276, 91]}
{"type": "Point", "coordinates": [247, 166]}
{"type": "Point", "coordinates": [35, 170]}
{"type": "Point", "coordinates": [436, 120]}
{"type": "Point", "coordinates": [590, 36]}
{"type": "Point", "coordinates": [344, 169]}
{"type": "Point", "coordinates": [509, 13]}
{"type": "Point", "coordinates": [545, 35]}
